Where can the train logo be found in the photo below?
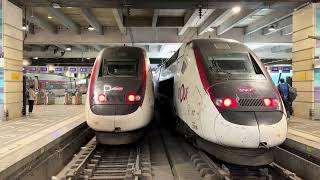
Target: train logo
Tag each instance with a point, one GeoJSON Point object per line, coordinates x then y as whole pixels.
{"type": "Point", "coordinates": [183, 93]}
{"type": "Point", "coordinates": [107, 88]}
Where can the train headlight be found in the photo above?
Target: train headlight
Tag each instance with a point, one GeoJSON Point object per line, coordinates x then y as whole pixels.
{"type": "Point", "coordinates": [102, 98]}
{"type": "Point", "coordinates": [131, 97]}
{"type": "Point", "coordinates": [226, 102]}
{"type": "Point", "coordinates": [270, 102]}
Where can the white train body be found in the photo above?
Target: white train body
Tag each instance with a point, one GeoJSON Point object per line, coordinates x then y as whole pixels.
{"type": "Point", "coordinates": [221, 104]}
{"type": "Point", "coordinates": [120, 97]}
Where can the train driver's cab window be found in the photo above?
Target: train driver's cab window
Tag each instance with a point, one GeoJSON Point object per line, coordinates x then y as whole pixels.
{"type": "Point", "coordinates": [234, 63]}
{"type": "Point", "coordinates": [118, 68]}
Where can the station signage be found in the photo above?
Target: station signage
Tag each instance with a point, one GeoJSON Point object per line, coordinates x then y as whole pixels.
{"type": "Point", "coordinates": [274, 69]}
{"type": "Point", "coordinates": [32, 69]}
{"type": "Point", "coordinates": [73, 69]}
{"type": "Point", "coordinates": [286, 69]}
{"type": "Point", "coordinates": [44, 69]}
{"type": "Point", "coordinates": [58, 70]}
{"type": "Point", "coordinates": [83, 70]}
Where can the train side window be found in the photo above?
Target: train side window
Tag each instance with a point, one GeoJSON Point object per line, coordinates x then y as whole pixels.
{"type": "Point", "coordinates": [172, 59]}
{"type": "Point", "coordinates": [184, 66]}
{"type": "Point", "coordinates": [255, 65]}
{"type": "Point", "coordinates": [101, 69]}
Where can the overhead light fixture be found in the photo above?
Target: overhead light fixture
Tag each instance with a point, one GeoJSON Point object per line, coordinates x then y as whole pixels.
{"type": "Point", "coordinates": [236, 9]}
{"type": "Point", "coordinates": [272, 28]}
{"type": "Point", "coordinates": [49, 17]}
{"type": "Point", "coordinates": [24, 28]}
{"type": "Point", "coordinates": [56, 5]}
{"type": "Point", "coordinates": [35, 58]}
{"type": "Point", "coordinates": [90, 28]}
{"type": "Point", "coordinates": [26, 62]}
{"type": "Point", "coordinates": [88, 58]}
{"type": "Point", "coordinates": [68, 49]}
{"type": "Point", "coordinates": [210, 29]}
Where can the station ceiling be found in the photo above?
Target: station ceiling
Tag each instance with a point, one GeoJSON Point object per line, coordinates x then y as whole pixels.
{"type": "Point", "coordinates": [159, 26]}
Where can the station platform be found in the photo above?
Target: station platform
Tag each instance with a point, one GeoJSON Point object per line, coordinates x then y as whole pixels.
{"type": "Point", "coordinates": [304, 138]}
{"type": "Point", "coordinates": [25, 139]}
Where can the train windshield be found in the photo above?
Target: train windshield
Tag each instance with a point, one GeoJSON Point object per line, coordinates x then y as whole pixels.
{"type": "Point", "coordinates": [233, 63]}
{"type": "Point", "coordinates": [119, 68]}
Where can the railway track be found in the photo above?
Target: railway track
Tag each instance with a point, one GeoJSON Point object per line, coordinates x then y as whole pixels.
{"type": "Point", "coordinates": [136, 161]}
{"type": "Point", "coordinates": [95, 162]}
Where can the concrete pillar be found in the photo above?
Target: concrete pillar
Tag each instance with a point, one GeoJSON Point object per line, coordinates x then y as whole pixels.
{"type": "Point", "coordinates": [13, 56]}
{"type": "Point", "coordinates": [303, 55]}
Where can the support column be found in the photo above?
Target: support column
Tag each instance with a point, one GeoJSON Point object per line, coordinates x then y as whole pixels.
{"type": "Point", "coordinates": [303, 54]}
{"type": "Point", "coordinates": [13, 56]}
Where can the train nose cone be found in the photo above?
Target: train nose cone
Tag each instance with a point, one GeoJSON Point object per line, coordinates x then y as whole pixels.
{"type": "Point", "coordinates": [244, 134]}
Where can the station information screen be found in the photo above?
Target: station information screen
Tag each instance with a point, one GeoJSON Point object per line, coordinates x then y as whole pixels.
{"type": "Point", "coordinates": [275, 69]}
{"type": "Point", "coordinates": [83, 70]}
{"type": "Point", "coordinates": [73, 69]}
{"type": "Point", "coordinates": [58, 70]}
{"type": "Point", "coordinates": [44, 69]}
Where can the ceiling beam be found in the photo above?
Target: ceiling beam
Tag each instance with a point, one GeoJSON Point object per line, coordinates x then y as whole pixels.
{"type": "Point", "coordinates": [117, 13]}
{"type": "Point", "coordinates": [63, 19]}
{"type": "Point", "coordinates": [268, 20]}
{"type": "Point", "coordinates": [141, 35]}
{"type": "Point", "coordinates": [188, 22]}
{"type": "Point", "coordinates": [97, 47]}
{"type": "Point", "coordinates": [216, 16]}
{"type": "Point", "coordinates": [287, 31]}
{"type": "Point", "coordinates": [61, 46]}
{"type": "Point", "coordinates": [154, 4]}
{"type": "Point", "coordinates": [278, 26]}
{"type": "Point", "coordinates": [92, 20]}
{"type": "Point", "coordinates": [43, 23]}
{"type": "Point", "coordinates": [81, 47]}
{"type": "Point", "coordinates": [161, 48]}
{"type": "Point", "coordinates": [193, 19]}
{"type": "Point", "coordinates": [236, 19]}
{"type": "Point", "coordinates": [165, 22]}
{"type": "Point", "coordinates": [277, 49]}
{"type": "Point", "coordinates": [155, 17]}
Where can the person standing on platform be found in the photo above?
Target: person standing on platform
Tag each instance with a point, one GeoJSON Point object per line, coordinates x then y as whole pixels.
{"type": "Point", "coordinates": [31, 98]}
{"type": "Point", "coordinates": [283, 88]}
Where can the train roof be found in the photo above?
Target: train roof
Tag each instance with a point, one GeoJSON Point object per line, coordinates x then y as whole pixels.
{"type": "Point", "coordinates": [130, 48]}
{"type": "Point", "coordinates": [220, 40]}
{"type": "Point", "coordinates": [223, 44]}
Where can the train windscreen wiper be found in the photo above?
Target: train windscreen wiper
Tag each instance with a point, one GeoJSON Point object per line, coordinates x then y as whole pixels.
{"type": "Point", "coordinates": [217, 68]}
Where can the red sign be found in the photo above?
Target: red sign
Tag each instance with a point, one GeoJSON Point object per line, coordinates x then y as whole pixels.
{"type": "Point", "coordinates": [247, 89]}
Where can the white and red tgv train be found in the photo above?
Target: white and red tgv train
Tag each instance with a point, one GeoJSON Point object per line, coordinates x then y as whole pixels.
{"type": "Point", "coordinates": [120, 98]}
{"type": "Point", "coordinates": [225, 99]}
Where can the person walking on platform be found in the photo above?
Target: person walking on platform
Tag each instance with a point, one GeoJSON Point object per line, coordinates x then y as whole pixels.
{"type": "Point", "coordinates": [31, 97]}
{"type": "Point", "coordinates": [283, 88]}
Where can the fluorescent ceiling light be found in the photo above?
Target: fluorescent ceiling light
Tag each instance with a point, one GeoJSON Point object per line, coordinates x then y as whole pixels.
{"type": "Point", "coordinates": [90, 28]}
{"type": "Point", "coordinates": [272, 28]}
{"type": "Point", "coordinates": [68, 49]}
{"type": "Point", "coordinates": [236, 9]}
{"type": "Point", "coordinates": [56, 5]}
{"type": "Point", "coordinates": [35, 58]}
{"type": "Point", "coordinates": [210, 29]}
